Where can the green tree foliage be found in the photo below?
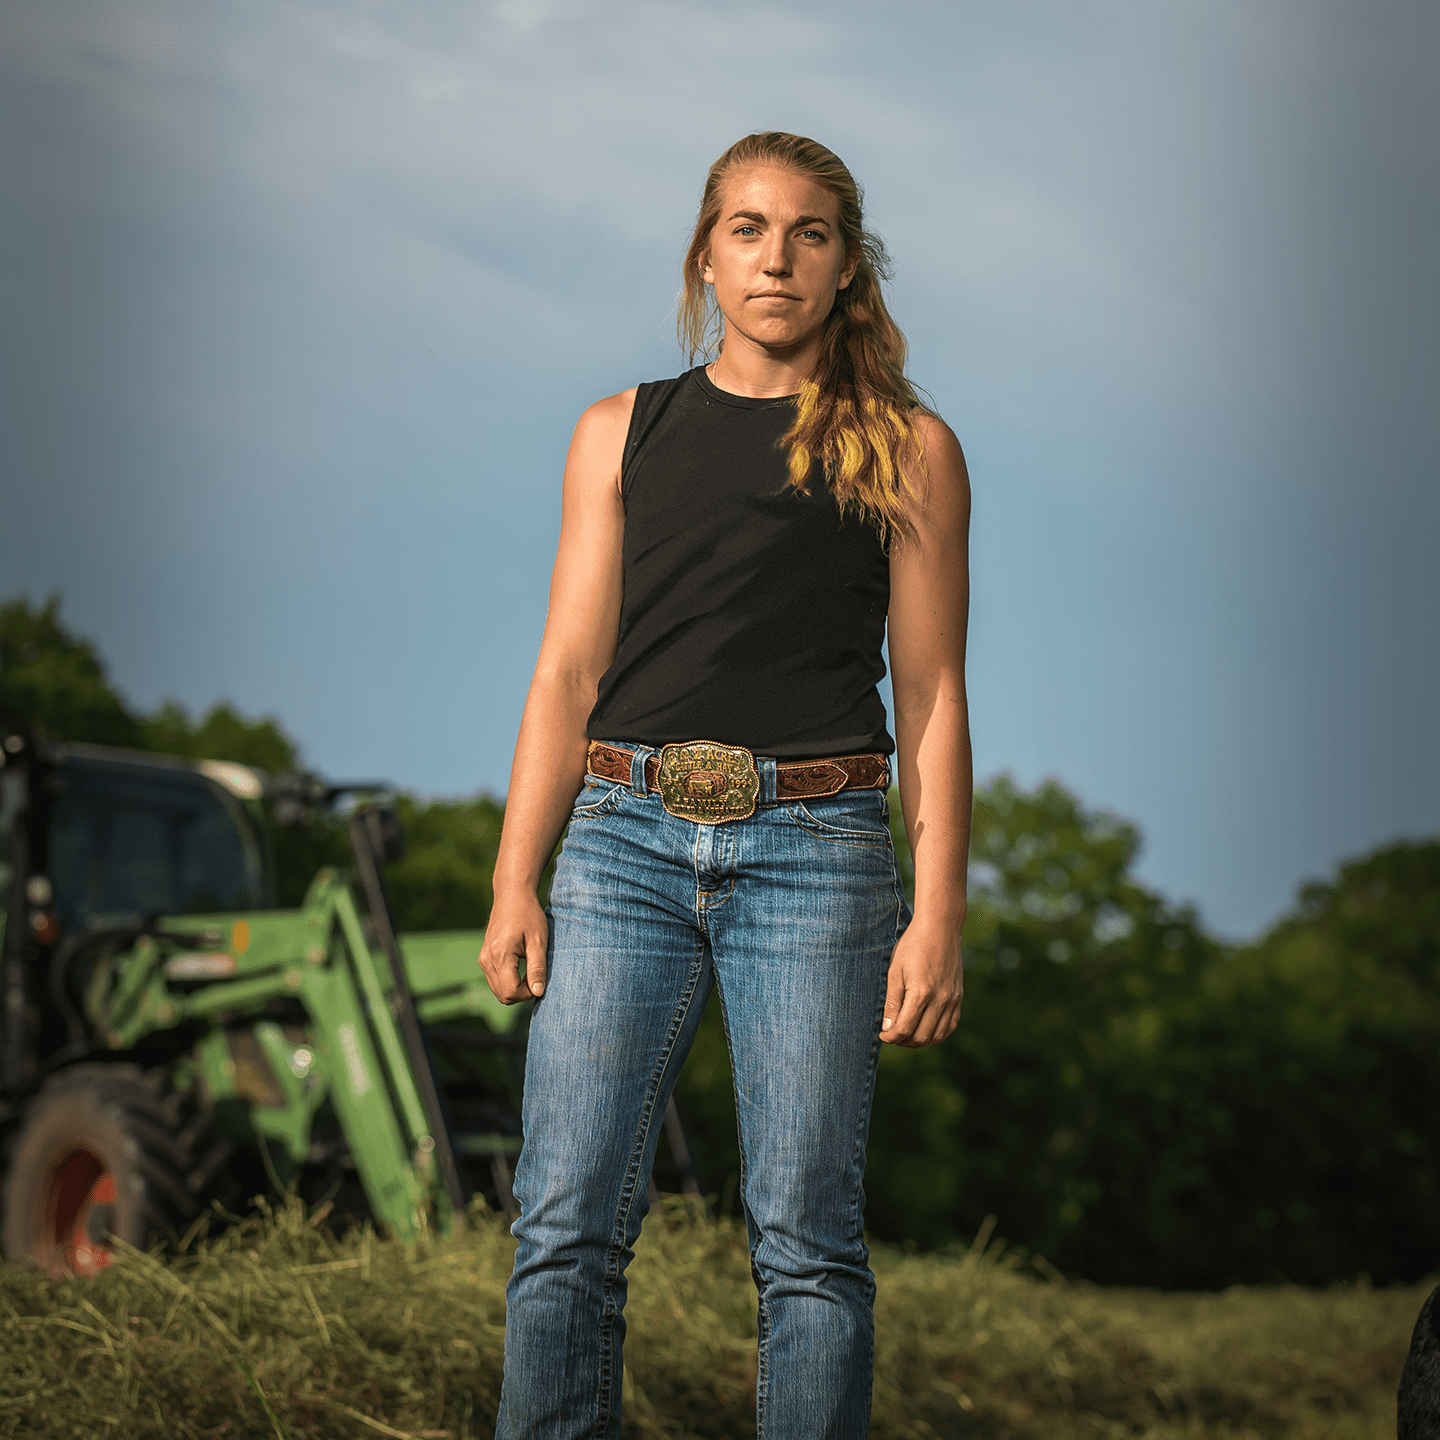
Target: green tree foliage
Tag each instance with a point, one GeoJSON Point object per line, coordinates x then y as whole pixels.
{"type": "Point", "coordinates": [1318, 1051]}
{"type": "Point", "coordinates": [444, 880]}
{"type": "Point", "coordinates": [57, 681]}
{"type": "Point", "coordinates": [1143, 1105]}
{"type": "Point", "coordinates": [222, 734]}
{"type": "Point", "coordinates": [54, 680]}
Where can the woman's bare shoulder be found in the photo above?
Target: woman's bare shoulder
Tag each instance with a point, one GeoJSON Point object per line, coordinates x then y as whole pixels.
{"type": "Point", "coordinates": [944, 502]}
{"type": "Point", "coordinates": [944, 460]}
{"type": "Point", "coordinates": [606, 416]}
{"type": "Point", "coordinates": [936, 435]}
{"type": "Point", "coordinates": [598, 445]}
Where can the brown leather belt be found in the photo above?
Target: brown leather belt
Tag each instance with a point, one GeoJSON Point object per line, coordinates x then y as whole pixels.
{"type": "Point", "coordinates": [708, 782]}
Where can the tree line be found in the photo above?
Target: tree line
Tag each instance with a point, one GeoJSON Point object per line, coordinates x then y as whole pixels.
{"type": "Point", "coordinates": [1135, 1100]}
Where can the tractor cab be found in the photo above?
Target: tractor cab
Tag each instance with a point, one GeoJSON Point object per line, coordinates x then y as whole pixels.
{"type": "Point", "coordinates": [93, 838]}
{"type": "Point", "coordinates": [131, 836]}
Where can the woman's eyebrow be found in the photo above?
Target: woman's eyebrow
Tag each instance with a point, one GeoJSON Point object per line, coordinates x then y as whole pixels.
{"type": "Point", "coordinates": [759, 219]}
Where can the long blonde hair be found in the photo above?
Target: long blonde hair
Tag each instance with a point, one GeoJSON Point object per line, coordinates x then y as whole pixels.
{"type": "Point", "coordinates": [857, 415]}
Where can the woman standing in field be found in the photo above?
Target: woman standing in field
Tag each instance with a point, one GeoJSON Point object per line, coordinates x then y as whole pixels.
{"type": "Point", "coordinates": [732, 545]}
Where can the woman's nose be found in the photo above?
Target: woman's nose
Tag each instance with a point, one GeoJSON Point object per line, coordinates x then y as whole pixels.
{"type": "Point", "coordinates": [777, 258]}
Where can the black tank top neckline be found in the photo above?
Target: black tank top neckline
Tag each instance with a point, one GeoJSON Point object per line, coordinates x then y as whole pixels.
{"type": "Point", "coordinates": [729, 397]}
{"type": "Point", "coordinates": [752, 614]}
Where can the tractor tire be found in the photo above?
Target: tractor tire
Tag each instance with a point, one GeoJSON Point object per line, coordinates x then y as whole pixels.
{"type": "Point", "coordinates": [96, 1155]}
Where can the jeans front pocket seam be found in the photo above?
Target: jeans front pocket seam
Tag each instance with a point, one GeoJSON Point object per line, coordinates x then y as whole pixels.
{"type": "Point", "coordinates": [606, 805]}
{"type": "Point", "coordinates": [838, 834]}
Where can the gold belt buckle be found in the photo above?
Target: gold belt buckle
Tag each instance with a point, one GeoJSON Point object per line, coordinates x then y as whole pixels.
{"type": "Point", "coordinates": [707, 782]}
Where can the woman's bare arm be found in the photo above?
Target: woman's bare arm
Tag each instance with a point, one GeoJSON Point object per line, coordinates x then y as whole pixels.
{"type": "Point", "coordinates": [929, 609]}
{"type": "Point", "coordinates": [581, 628]}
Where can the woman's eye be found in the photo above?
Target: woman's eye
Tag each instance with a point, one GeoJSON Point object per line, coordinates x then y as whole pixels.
{"type": "Point", "coordinates": [745, 230]}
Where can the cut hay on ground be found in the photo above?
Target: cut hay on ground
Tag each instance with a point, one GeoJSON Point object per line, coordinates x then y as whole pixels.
{"type": "Point", "coordinates": [276, 1328]}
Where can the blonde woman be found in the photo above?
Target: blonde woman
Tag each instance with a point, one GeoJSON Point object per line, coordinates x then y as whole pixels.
{"type": "Point", "coordinates": [704, 716]}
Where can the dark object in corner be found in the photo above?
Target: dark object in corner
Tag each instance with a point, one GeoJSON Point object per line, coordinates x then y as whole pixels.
{"type": "Point", "coordinates": [1418, 1405]}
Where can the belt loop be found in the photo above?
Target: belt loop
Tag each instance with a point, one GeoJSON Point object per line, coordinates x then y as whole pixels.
{"type": "Point", "coordinates": [638, 756]}
{"type": "Point", "coordinates": [768, 771]}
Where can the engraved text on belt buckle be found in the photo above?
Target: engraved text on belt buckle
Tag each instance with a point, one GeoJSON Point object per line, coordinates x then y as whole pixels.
{"type": "Point", "coordinates": [708, 782]}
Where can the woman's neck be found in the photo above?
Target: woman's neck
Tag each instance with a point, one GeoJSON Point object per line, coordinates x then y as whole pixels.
{"type": "Point", "coordinates": [745, 368]}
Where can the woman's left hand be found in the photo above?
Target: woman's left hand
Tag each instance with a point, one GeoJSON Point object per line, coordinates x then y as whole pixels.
{"type": "Point", "coordinates": [927, 983]}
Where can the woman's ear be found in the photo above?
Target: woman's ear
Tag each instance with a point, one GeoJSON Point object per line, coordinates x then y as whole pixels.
{"type": "Point", "coordinates": [847, 272]}
{"type": "Point", "coordinates": [706, 273]}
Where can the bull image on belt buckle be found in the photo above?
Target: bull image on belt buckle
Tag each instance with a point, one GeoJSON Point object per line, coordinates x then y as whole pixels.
{"type": "Point", "coordinates": [707, 782]}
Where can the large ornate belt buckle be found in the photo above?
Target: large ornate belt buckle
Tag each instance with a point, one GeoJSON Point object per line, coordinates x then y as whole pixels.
{"type": "Point", "coordinates": [707, 782]}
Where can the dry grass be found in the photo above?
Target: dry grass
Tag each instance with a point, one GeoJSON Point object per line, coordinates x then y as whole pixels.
{"type": "Point", "coordinates": [276, 1328]}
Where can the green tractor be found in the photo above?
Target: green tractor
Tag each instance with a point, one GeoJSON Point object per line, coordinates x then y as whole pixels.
{"type": "Point", "coordinates": [170, 1041]}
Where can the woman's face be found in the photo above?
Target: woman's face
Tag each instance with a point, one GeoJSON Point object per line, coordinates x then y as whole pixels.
{"type": "Point", "coordinates": [775, 257]}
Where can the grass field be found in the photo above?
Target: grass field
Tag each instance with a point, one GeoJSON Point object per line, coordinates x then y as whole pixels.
{"type": "Point", "coordinates": [275, 1328]}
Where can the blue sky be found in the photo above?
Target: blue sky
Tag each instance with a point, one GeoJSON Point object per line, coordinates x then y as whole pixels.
{"type": "Point", "coordinates": [301, 300]}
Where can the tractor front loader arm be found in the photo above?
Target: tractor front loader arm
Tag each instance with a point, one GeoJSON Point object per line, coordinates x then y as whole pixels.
{"type": "Point", "coordinates": [402, 1005]}
{"type": "Point", "coordinates": [354, 1050]}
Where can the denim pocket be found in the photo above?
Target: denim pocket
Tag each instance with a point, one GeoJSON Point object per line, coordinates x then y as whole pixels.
{"type": "Point", "coordinates": [599, 797]}
{"type": "Point", "coordinates": [854, 817]}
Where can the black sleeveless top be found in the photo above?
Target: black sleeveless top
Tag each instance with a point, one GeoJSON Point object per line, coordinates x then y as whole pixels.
{"type": "Point", "coordinates": [752, 614]}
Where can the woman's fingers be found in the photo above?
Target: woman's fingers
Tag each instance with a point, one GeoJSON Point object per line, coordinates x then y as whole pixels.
{"type": "Point", "coordinates": [922, 999]}
{"type": "Point", "coordinates": [929, 1022]}
{"type": "Point", "coordinates": [908, 1004]}
{"type": "Point", "coordinates": [502, 970]}
{"type": "Point", "coordinates": [511, 946]}
{"type": "Point", "coordinates": [935, 1025]}
{"type": "Point", "coordinates": [910, 1018]}
{"type": "Point", "coordinates": [535, 946]}
{"type": "Point", "coordinates": [894, 1003]}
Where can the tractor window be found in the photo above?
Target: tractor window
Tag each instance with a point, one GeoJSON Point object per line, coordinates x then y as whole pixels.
{"type": "Point", "coordinates": [137, 860]}
{"type": "Point", "coordinates": [130, 839]}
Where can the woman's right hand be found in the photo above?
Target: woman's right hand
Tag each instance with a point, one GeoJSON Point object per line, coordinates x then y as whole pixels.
{"type": "Point", "coordinates": [513, 956]}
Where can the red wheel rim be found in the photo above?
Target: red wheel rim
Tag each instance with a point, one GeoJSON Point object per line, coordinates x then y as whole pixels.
{"type": "Point", "coordinates": [80, 1184]}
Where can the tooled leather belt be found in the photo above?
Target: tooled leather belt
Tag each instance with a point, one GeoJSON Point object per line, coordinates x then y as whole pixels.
{"type": "Point", "coordinates": [707, 782]}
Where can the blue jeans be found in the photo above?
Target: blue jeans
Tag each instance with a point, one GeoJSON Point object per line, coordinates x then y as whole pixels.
{"type": "Point", "coordinates": [792, 915]}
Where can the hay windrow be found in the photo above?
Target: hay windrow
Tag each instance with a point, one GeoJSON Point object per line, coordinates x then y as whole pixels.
{"type": "Point", "coordinates": [358, 1336]}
